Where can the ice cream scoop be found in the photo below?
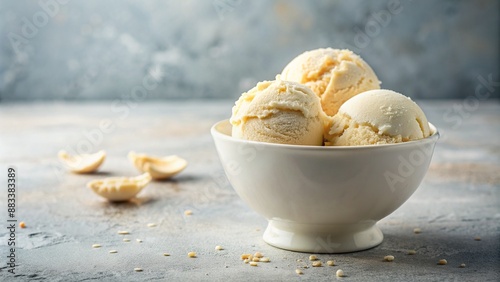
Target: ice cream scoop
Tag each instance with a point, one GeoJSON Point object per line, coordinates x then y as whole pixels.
{"type": "Point", "coordinates": [378, 117]}
{"type": "Point", "coordinates": [279, 112]}
{"type": "Point", "coordinates": [334, 75]}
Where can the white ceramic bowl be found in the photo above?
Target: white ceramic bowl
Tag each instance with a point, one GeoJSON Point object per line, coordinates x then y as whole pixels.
{"type": "Point", "coordinates": [323, 199]}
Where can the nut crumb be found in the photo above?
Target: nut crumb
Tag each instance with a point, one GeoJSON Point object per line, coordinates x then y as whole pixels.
{"type": "Point", "coordinates": [462, 265]}
{"type": "Point", "coordinates": [313, 257]}
{"type": "Point", "coordinates": [151, 224]}
{"type": "Point", "coordinates": [265, 259]}
{"type": "Point", "coordinates": [166, 254]}
{"type": "Point", "coordinates": [340, 273]}
{"type": "Point", "coordinates": [22, 224]}
{"type": "Point", "coordinates": [113, 251]}
{"type": "Point", "coordinates": [412, 252]}
{"type": "Point", "coordinates": [258, 255]}
{"type": "Point", "coordinates": [192, 254]}
{"type": "Point", "coordinates": [417, 230]}
{"type": "Point", "coordinates": [188, 212]}
{"type": "Point", "coordinates": [389, 258]}
{"type": "Point", "coordinates": [138, 269]}
{"type": "Point", "coordinates": [123, 232]}
{"type": "Point", "coordinates": [246, 261]}
{"type": "Point", "coordinates": [442, 262]}
{"type": "Point", "coordinates": [299, 260]}
{"type": "Point", "coordinates": [255, 259]}
{"type": "Point", "coordinates": [253, 263]}
{"type": "Point", "coordinates": [317, 264]}
{"type": "Point", "coordinates": [96, 246]}
{"type": "Point", "coordinates": [330, 263]}
{"type": "Point", "coordinates": [219, 248]}
{"type": "Point", "coordinates": [245, 256]}
{"type": "Point", "coordinates": [298, 271]}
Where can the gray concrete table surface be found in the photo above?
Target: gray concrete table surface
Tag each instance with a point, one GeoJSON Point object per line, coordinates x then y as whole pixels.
{"type": "Point", "coordinates": [457, 201]}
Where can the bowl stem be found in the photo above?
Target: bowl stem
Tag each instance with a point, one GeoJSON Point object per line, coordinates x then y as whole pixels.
{"type": "Point", "coordinates": [320, 238]}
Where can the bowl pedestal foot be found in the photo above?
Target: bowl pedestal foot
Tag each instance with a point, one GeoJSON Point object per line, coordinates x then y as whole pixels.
{"type": "Point", "coordinates": [315, 238]}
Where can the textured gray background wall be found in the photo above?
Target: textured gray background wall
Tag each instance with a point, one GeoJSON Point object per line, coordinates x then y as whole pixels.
{"type": "Point", "coordinates": [70, 50]}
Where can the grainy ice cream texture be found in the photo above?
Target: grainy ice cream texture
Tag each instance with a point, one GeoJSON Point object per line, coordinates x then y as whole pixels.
{"type": "Point", "coordinates": [281, 112]}
{"type": "Point", "coordinates": [334, 75]}
{"type": "Point", "coordinates": [378, 117]}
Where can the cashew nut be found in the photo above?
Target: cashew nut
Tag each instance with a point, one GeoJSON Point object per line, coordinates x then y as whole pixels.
{"type": "Point", "coordinates": [85, 163]}
{"type": "Point", "coordinates": [118, 189]}
{"type": "Point", "coordinates": [159, 168]}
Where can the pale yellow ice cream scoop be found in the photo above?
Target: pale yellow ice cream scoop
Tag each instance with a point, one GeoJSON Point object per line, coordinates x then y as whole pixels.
{"type": "Point", "coordinates": [334, 75]}
{"type": "Point", "coordinates": [378, 117]}
{"type": "Point", "coordinates": [279, 112]}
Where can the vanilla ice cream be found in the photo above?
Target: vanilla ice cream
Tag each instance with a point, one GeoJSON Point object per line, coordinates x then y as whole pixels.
{"type": "Point", "coordinates": [334, 75]}
{"type": "Point", "coordinates": [279, 112]}
{"type": "Point", "coordinates": [378, 117]}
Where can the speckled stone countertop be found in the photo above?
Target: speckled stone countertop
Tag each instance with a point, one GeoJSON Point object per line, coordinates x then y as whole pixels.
{"type": "Point", "coordinates": [457, 206]}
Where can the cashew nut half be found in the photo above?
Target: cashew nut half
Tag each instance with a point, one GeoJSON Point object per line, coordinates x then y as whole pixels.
{"type": "Point", "coordinates": [159, 168]}
{"type": "Point", "coordinates": [118, 189]}
{"type": "Point", "coordinates": [84, 163]}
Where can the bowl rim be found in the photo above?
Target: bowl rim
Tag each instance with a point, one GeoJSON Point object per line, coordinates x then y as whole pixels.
{"type": "Point", "coordinates": [217, 134]}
